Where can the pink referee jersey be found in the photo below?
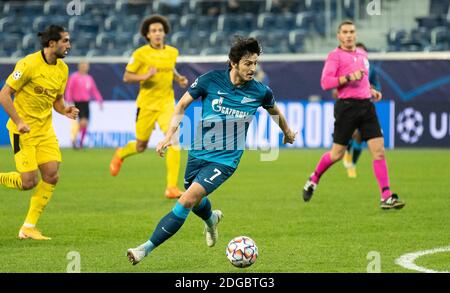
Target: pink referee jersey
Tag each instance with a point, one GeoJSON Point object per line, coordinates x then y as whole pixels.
{"type": "Point", "coordinates": [340, 63]}
{"type": "Point", "coordinates": [80, 88]}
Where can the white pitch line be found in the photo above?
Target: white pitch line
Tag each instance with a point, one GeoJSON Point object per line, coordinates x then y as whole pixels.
{"type": "Point", "coordinates": [407, 260]}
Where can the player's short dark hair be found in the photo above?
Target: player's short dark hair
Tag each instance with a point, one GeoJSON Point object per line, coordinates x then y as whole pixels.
{"type": "Point", "coordinates": [241, 47]}
{"type": "Point", "coordinates": [156, 18]}
{"type": "Point", "coordinates": [51, 33]}
{"type": "Point", "coordinates": [345, 22]}
{"type": "Point", "coordinates": [361, 45]}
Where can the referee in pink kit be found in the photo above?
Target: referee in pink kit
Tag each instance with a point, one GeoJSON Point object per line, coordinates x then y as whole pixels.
{"type": "Point", "coordinates": [80, 89]}
{"type": "Point", "coordinates": [346, 69]}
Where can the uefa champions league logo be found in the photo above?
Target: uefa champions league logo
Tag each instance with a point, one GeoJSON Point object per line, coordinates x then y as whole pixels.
{"type": "Point", "coordinates": [410, 125]}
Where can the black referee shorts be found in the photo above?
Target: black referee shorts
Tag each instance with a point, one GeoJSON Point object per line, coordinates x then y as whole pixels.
{"type": "Point", "coordinates": [84, 109]}
{"type": "Point", "coordinates": [351, 114]}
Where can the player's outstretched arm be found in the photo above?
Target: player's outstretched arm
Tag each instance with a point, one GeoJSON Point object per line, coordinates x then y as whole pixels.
{"type": "Point", "coordinates": [68, 111]}
{"type": "Point", "coordinates": [177, 116]}
{"type": "Point", "coordinates": [8, 105]}
{"type": "Point", "coordinates": [278, 117]}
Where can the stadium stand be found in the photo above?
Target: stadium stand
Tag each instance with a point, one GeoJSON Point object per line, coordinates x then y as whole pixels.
{"type": "Point", "coordinates": [205, 27]}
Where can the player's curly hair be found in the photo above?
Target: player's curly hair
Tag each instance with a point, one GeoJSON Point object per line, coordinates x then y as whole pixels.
{"type": "Point", "coordinates": [243, 46]}
{"type": "Point", "coordinates": [51, 33]}
{"type": "Point", "coordinates": [156, 18]}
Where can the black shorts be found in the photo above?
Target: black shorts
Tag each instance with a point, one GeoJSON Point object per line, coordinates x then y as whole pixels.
{"type": "Point", "coordinates": [84, 109]}
{"type": "Point", "coordinates": [351, 114]}
{"type": "Point", "coordinates": [210, 175]}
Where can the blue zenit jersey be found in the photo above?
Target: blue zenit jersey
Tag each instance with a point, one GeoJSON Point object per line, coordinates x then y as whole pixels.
{"type": "Point", "coordinates": [227, 111]}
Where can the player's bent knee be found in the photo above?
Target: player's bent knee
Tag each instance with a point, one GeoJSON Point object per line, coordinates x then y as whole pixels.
{"type": "Point", "coordinates": [379, 155]}
{"type": "Point", "coordinates": [337, 156]}
{"type": "Point", "coordinates": [141, 147]}
{"type": "Point", "coordinates": [28, 184]}
{"type": "Point", "coordinates": [51, 179]}
{"type": "Point", "coordinates": [189, 200]}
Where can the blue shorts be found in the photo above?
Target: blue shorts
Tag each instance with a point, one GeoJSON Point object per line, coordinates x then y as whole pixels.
{"type": "Point", "coordinates": [210, 175]}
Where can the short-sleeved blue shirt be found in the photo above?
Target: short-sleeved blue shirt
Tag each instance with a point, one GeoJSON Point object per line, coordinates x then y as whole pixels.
{"type": "Point", "coordinates": [227, 111]}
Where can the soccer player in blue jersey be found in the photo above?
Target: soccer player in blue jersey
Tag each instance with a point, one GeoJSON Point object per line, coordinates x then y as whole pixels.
{"type": "Point", "coordinates": [228, 96]}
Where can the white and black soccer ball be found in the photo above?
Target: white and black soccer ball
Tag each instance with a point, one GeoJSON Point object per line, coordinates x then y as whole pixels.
{"type": "Point", "coordinates": [242, 251]}
{"type": "Point", "coordinates": [410, 125]}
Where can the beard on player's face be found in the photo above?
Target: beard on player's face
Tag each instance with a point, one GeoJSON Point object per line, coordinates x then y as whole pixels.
{"type": "Point", "coordinates": [245, 72]}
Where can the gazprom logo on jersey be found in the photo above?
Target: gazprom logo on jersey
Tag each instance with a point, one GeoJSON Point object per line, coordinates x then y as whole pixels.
{"type": "Point", "coordinates": [217, 106]}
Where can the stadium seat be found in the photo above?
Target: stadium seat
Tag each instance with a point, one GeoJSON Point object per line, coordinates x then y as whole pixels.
{"type": "Point", "coordinates": [199, 39]}
{"type": "Point", "coordinates": [218, 39]}
{"type": "Point", "coordinates": [206, 23]}
{"type": "Point", "coordinates": [55, 7]}
{"type": "Point", "coordinates": [11, 43]}
{"type": "Point", "coordinates": [439, 35]}
{"type": "Point", "coordinates": [277, 38]}
{"type": "Point", "coordinates": [180, 40]}
{"type": "Point", "coordinates": [430, 22]}
{"type": "Point", "coordinates": [297, 40]}
{"type": "Point", "coordinates": [83, 24]}
{"type": "Point", "coordinates": [180, 7]}
{"type": "Point", "coordinates": [260, 35]}
{"type": "Point", "coordinates": [421, 34]}
{"type": "Point", "coordinates": [319, 23]}
{"type": "Point", "coordinates": [304, 20]}
{"type": "Point", "coordinates": [266, 21]}
{"type": "Point", "coordinates": [174, 21]}
{"type": "Point", "coordinates": [138, 40]}
{"type": "Point", "coordinates": [16, 8]}
{"type": "Point", "coordinates": [394, 37]}
{"type": "Point", "coordinates": [285, 21]}
{"type": "Point", "coordinates": [111, 23]}
{"type": "Point", "coordinates": [131, 25]}
{"type": "Point", "coordinates": [126, 8]}
{"type": "Point", "coordinates": [30, 43]}
{"type": "Point", "coordinates": [98, 8]}
{"type": "Point", "coordinates": [229, 22]}
{"type": "Point", "coordinates": [83, 41]}
{"type": "Point", "coordinates": [10, 25]}
{"type": "Point", "coordinates": [188, 22]}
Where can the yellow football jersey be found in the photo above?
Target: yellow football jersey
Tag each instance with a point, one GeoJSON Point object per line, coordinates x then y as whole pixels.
{"type": "Point", "coordinates": [156, 91]}
{"type": "Point", "coordinates": [37, 84]}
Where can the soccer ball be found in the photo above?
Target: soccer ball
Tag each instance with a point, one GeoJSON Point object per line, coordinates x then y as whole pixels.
{"type": "Point", "coordinates": [242, 251]}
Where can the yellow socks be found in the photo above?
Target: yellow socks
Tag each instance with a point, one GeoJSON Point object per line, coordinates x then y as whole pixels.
{"type": "Point", "coordinates": [128, 150]}
{"type": "Point", "coordinates": [173, 165]}
{"type": "Point", "coordinates": [11, 180]}
{"type": "Point", "coordinates": [39, 201]}
{"type": "Point", "coordinates": [74, 131]}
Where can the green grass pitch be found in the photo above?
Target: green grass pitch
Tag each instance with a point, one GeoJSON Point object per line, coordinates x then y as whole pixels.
{"type": "Point", "coordinates": [100, 217]}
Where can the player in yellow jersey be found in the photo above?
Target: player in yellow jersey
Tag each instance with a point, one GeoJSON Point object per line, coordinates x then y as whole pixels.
{"type": "Point", "coordinates": [37, 83]}
{"type": "Point", "coordinates": [153, 66]}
